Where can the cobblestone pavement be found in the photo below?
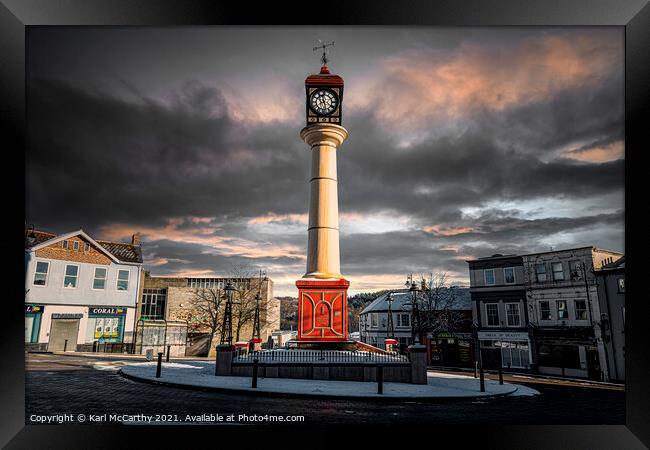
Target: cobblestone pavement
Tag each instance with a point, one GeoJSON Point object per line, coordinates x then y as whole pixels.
{"type": "Point", "coordinates": [62, 384]}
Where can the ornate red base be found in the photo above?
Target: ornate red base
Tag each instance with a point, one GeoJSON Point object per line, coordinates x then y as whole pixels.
{"type": "Point", "coordinates": [322, 310]}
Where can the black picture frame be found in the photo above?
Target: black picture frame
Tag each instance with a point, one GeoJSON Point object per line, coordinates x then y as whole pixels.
{"type": "Point", "coordinates": [17, 15]}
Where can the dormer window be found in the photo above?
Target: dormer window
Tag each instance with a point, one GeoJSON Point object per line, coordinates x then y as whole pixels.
{"type": "Point", "coordinates": [64, 244]}
{"type": "Point", "coordinates": [75, 245]}
{"type": "Point", "coordinates": [86, 247]}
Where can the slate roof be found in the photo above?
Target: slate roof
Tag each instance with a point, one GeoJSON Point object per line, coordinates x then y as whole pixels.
{"type": "Point", "coordinates": [124, 252]}
{"type": "Point", "coordinates": [402, 297]}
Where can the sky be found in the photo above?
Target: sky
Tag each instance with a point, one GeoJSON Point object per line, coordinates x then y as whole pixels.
{"type": "Point", "coordinates": [463, 143]}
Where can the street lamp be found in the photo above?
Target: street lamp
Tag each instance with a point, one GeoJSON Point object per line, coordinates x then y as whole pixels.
{"type": "Point", "coordinates": [477, 355]}
{"type": "Point", "coordinates": [226, 329]}
{"type": "Point", "coordinates": [390, 331]}
{"type": "Point", "coordinates": [415, 314]}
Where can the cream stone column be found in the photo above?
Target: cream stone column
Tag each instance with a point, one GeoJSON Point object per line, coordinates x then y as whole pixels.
{"type": "Point", "coordinates": [323, 235]}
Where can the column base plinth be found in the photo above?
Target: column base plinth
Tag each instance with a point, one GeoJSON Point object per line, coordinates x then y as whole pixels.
{"type": "Point", "coordinates": [322, 310]}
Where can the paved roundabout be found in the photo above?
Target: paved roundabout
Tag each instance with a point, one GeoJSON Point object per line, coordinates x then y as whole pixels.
{"type": "Point", "coordinates": [199, 375]}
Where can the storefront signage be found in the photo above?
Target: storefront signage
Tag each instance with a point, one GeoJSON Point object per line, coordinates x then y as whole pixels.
{"type": "Point", "coordinates": [106, 311]}
{"type": "Point", "coordinates": [34, 309]}
{"type": "Point", "coordinates": [499, 335]}
{"type": "Point", "coordinates": [66, 316]}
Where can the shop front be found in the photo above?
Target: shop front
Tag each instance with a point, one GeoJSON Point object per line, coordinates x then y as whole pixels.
{"type": "Point", "coordinates": [105, 324]}
{"type": "Point", "coordinates": [450, 349]}
{"type": "Point", "coordinates": [568, 353]}
{"type": "Point", "coordinates": [511, 350]}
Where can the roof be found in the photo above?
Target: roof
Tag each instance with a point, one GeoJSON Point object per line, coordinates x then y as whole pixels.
{"type": "Point", "coordinates": [324, 78]}
{"type": "Point", "coordinates": [121, 252]}
{"type": "Point", "coordinates": [402, 297]}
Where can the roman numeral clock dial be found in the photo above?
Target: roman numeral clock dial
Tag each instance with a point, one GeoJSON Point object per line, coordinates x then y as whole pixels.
{"type": "Point", "coordinates": [323, 102]}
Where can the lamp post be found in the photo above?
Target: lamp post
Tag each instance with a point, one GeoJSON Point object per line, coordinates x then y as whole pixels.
{"type": "Point", "coordinates": [477, 355]}
{"type": "Point", "coordinates": [390, 330]}
{"type": "Point", "coordinates": [226, 329]}
{"type": "Point", "coordinates": [256, 338]}
{"type": "Point", "coordinates": [415, 313]}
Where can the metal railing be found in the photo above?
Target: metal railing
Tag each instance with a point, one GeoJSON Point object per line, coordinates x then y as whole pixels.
{"type": "Point", "coordinates": [319, 357]}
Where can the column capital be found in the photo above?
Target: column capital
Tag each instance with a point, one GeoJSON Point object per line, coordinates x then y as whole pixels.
{"type": "Point", "coordinates": [324, 133]}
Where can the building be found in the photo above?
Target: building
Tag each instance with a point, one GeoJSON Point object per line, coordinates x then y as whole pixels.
{"type": "Point", "coordinates": [499, 308]}
{"type": "Point", "coordinates": [79, 291]}
{"type": "Point", "coordinates": [451, 347]}
{"type": "Point", "coordinates": [610, 279]}
{"type": "Point", "coordinates": [172, 302]}
{"type": "Point", "coordinates": [373, 320]}
{"type": "Point", "coordinates": [564, 311]}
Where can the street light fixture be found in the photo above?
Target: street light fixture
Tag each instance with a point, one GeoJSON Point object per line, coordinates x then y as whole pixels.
{"type": "Point", "coordinates": [226, 329]}
{"type": "Point", "coordinates": [415, 313]}
{"type": "Point", "coordinates": [390, 330]}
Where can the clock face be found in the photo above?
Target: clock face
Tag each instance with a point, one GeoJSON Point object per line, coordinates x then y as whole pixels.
{"type": "Point", "coordinates": [323, 102]}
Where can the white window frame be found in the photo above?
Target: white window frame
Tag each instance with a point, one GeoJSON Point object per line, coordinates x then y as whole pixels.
{"type": "Point", "coordinates": [550, 311]}
{"type": "Point", "coordinates": [117, 281]}
{"type": "Point", "coordinates": [400, 320]}
{"type": "Point", "coordinates": [487, 315]}
{"type": "Point", "coordinates": [514, 276]}
{"type": "Point", "coordinates": [374, 320]}
{"type": "Point", "coordinates": [518, 314]}
{"type": "Point", "coordinates": [86, 247]}
{"type": "Point", "coordinates": [566, 308]}
{"type": "Point", "coordinates": [494, 278]}
{"type": "Point", "coordinates": [65, 275]}
{"type": "Point", "coordinates": [65, 245]}
{"type": "Point", "coordinates": [537, 274]}
{"type": "Point", "coordinates": [575, 309]}
{"type": "Point", "coordinates": [96, 278]}
{"type": "Point", "coordinates": [47, 274]}
{"type": "Point", "coordinates": [620, 283]}
{"type": "Point", "coordinates": [553, 272]}
{"type": "Point", "coordinates": [75, 246]}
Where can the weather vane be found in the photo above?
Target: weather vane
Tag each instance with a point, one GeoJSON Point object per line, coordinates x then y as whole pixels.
{"type": "Point", "coordinates": [323, 58]}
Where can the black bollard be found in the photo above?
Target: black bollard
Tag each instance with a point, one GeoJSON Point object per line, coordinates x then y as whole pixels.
{"type": "Point", "coordinates": [65, 346]}
{"type": "Point", "coordinates": [255, 365]}
{"type": "Point", "coordinates": [94, 346]}
{"type": "Point", "coordinates": [380, 379]}
{"type": "Point", "coordinates": [482, 378]}
{"type": "Point", "coordinates": [500, 373]}
{"type": "Point", "coordinates": [475, 367]}
{"type": "Point", "coordinates": [159, 368]}
{"type": "Point", "coordinates": [168, 349]}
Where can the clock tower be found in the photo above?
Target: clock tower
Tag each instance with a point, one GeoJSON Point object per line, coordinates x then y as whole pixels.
{"type": "Point", "coordinates": [322, 291]}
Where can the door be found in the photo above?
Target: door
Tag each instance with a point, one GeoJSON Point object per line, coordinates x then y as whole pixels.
{"type": "Point", "coordinates": [62, 330]}
{"type": "Point", "coordinates": [593, 365]}
{"type": "Point", "coordinates": [29, 327]}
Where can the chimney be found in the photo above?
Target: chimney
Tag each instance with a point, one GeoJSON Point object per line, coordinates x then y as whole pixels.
{"type": "Point", "coordinates": [135, 239]}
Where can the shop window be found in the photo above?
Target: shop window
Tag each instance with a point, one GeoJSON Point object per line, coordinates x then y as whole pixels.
{"type": "Point", "coordinates": [512, 314]}
{"type": "Point", "coordinates": [581, 309]}
{"type": "Point", "coordinates": [492, 310]}
{"type": "Point", "coordinates": [545, 310]}
{"type": "Point", "coordinates": [566, 356]}
{"type": "Point", "coordinates": [558, 271]}
{"type": "Point", "coordinates": [540, 272]}
{"type": "Point", "coordinates": [99, 280]}
{"type": "Point", "coordinates": [562, 312]}
{"type": "Point", "coordinates": [489, 277]}
{"type": "Point", "coordinates": [123, 280]}
{"type": "Point", "coordinates": [71, 275]}
{"type": "Point", "coordinates": [40, 275]}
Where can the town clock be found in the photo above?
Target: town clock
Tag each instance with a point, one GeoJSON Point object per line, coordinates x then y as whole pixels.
{"type": "Point", "coordinates": [324, 97]}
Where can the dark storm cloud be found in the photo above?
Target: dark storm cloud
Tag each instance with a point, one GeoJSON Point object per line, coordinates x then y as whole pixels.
{"type": "Point", "coordinates": [209, 181]}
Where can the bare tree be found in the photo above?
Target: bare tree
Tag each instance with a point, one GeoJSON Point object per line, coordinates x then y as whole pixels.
{"type": "Point", "coordinates": [248, 283]}
{"type": "Point", "coordinates": [437, 305]}
{"type": "Point", "coordinates": [207, 312]}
